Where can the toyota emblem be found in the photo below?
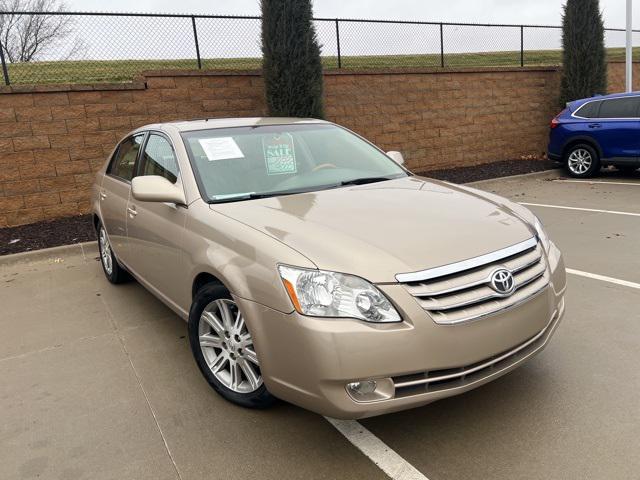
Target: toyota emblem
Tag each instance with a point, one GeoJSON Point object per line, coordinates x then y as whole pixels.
{"type": "Point", "coordinates": [502, 281]}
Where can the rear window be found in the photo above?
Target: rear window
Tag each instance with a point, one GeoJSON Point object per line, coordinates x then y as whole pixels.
{"type": "Point", "coordinates": [589, 110]}
{"type": "Point", "coordinates": [620, 108]}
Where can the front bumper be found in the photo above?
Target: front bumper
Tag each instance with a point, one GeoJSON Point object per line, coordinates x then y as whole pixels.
{"type": "Point", "coordinates": [309, 361]}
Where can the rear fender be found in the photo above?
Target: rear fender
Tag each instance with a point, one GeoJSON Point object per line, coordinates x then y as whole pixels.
{"type": "Point", "coordinates": [582, 139]}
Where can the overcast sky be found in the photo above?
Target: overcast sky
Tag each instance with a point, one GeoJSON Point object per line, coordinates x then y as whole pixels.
{"type": "Point", "coordinates": [485, 11]}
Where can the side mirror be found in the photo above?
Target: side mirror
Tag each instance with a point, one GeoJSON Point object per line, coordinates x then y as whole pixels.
{"type": "Point", "coordinates": [396, 157]}
{"type": "Point", "coordinates": [153, 188]}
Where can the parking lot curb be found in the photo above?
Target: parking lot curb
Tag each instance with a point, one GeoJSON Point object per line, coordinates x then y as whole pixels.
{"type": "Point", "coordinates": [522, 175]}
{"type": "Point", "coordinates": [87, 249]}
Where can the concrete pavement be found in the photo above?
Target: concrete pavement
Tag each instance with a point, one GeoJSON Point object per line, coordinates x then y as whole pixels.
{"type": "Point", "coordinates": [98, 381]}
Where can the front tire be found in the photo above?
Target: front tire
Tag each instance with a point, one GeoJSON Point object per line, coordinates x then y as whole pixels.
{"type": "Point", "coordinates": [223, 348]}
{"type": "Point", "coordinates": [112, 269]}
{"type": "Point", "coordinates": [582, 161]}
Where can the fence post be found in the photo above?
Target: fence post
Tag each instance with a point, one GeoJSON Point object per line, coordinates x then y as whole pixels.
{"type": "Point", "coordinates": [441, 45]}
{"type": "Point", "coordinates": [5, 72]}
{"type": "Point", "coordinates": [522, 45]}
{"type": "Point", "coordinates": [338, 43]}
{"type": "Point", "coordinates": [195, 38]}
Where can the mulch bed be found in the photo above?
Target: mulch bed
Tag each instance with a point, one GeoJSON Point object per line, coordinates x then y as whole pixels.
{"type": "Point", "coordinates": [70, 230]}
{"type": "Point", "coordinates": [490, 170]}
{"type": "Point", "coordinates": [64, 231]}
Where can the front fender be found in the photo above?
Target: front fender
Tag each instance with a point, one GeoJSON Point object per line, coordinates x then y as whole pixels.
{"type": "Point", "coordinates": [244, 259]}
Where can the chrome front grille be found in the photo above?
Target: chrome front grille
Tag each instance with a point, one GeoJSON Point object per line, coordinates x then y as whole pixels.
{"type": "Point", "coordinates": [462, 292]}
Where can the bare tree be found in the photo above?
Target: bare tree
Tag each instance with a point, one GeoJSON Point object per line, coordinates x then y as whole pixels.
{"type": "Point", "coordinates": [27, 37]}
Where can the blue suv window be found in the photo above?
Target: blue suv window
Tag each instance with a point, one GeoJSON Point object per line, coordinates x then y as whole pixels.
{"type": "Point", "coordinates": [620, 108]}
{"type": "Point", "coordinates": [589, 110]}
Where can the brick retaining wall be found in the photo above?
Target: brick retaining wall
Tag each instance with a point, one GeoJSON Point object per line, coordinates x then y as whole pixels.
{"type": "Point", "coordinates": [52, 138]}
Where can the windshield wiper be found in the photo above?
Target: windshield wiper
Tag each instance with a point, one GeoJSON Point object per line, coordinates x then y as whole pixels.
{"type": "Point", "coordinates": [256, 195]}
{"type": "Point", "coordinates": [276, 194]}
{"type": "Point", "coordinates": [365, 180]}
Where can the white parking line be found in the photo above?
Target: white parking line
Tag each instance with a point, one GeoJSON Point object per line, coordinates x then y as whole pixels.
{"type": "Point", "coordinates": [588, 182]}
{"type": "Point", "coordinates": [396, 467]}
{"type": "Point", "coordinates": [564, 207]}
{"type": "Point", "coordinates": [604, 278]}
{"type": "Point", "coordinates": [376, 450]}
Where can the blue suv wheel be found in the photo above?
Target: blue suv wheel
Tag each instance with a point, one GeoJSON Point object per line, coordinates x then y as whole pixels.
{"type": "Point", "coordinates": [582, 161]}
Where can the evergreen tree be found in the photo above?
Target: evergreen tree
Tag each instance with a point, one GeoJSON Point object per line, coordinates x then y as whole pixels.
{"type": "Point", "coordinates": [584, 71]}
{"type": "Point", "coordinates": [291, 63]}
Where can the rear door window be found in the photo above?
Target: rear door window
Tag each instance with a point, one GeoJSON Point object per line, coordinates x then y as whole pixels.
{"type": "Point", "coordinates": [620, 108]}
{"type": "Point", "coordinates": [124, 162]}
{"type": "Point", "coordinates": [589, 110]}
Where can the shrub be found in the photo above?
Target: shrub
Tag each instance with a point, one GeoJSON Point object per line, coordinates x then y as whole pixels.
{"type": "Point", "coordinates": [584, 65]}
{"type": "Point", "coordinates": [291, 63]}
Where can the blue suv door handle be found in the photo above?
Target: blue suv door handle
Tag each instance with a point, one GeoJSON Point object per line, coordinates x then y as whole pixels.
{"type": "Point", "coordinates": [594, 125]}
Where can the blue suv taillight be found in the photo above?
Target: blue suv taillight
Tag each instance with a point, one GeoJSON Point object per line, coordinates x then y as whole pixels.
{"type": "Point", "coordinates": [555, 122]}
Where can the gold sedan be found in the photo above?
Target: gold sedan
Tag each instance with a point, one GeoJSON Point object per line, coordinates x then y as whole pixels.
{"type": "Point", "coordinates": [312, 267]}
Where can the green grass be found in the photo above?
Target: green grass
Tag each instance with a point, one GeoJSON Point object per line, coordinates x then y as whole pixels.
{"type": "Point", "coordinates": [125, 70]}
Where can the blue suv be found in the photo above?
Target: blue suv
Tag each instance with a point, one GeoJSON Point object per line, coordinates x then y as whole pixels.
{"type": "Point", "coordinates": [595, 132]}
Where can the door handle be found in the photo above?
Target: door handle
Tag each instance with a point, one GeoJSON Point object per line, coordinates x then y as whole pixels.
{"type": "Point", "coordinates": [132, 211]}
{"type": "Point", "coordinates": [594, 125]}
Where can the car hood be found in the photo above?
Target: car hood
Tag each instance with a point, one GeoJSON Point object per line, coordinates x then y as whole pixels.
{"type": "Point", "coordinates": [378, 230]}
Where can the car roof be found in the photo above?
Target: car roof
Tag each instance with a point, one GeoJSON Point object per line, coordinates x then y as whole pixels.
{"type": "Point", "coordinates": [576, 103]}
{"type": "Point", "coordinates": [210, 123]}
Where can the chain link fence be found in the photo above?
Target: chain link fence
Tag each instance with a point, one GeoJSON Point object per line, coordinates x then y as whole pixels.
{"type": "Point", "coordinates": [115, 47]}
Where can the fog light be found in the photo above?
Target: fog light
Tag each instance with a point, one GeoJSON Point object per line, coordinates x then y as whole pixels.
{"type": "Point", "coordinates": [371, 390]}
{"type": "Point", "coordinates": [363, 388]}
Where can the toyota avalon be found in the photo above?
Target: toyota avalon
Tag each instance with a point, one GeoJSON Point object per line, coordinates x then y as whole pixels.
{"type": "Point", "coordinates": [311, 266]}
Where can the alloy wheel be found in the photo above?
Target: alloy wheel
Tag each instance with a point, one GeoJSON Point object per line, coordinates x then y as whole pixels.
{"type": "Point", "coordinates": [227, 346]}
{"type": "Point", "coordinates": [105, 251]}
{"type": "Point", "coordinates": [580, 161]}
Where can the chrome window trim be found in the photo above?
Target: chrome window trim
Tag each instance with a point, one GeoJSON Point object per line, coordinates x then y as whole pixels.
{"type": "Point", "coordinates": [456, 267]}
{"type": "Point", "coordinates": [574, 114]}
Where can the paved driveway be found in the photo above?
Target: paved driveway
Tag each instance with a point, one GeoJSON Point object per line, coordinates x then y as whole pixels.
{"type": "Point", "coordinates": [98, 381]}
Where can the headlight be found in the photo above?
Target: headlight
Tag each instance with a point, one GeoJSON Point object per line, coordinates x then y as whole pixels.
{"type": "Point", "coordinates": [542, 235]}
{"type": "Point", "coordinates": [328, 294]}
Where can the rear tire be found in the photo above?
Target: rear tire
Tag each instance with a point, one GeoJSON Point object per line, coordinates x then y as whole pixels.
{"type": "Point", "coordinates": [222, 347]}
{"type": "Point", "coordinates": [112, 269]}
{"type": "Point", "coordinates": [582, 161]}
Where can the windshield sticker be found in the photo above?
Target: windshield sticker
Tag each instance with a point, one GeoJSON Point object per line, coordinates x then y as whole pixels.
{"type": "Point", "coordinates": [279, 154]}
{"type": "Point", "coordinates": [221, 148]}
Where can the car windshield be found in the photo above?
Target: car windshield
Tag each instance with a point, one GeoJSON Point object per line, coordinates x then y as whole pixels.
{"type": "Point", "coordinates": [241, 163]}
